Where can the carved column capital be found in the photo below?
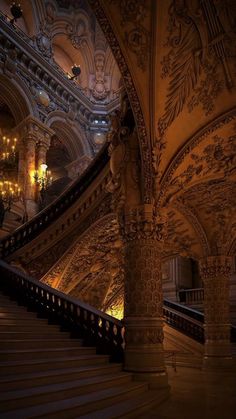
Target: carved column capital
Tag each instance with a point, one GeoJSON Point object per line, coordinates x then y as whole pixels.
{"type": "Point", "coordinates": [31, 127]}
{"type": "Point", "coordinates": [144, 223]}
{"type": "Point", "coordinates": [215, 266]}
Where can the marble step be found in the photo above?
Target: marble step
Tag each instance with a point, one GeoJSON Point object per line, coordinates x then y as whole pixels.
{"type": "Point", "coordinates": [49, 342]}
{"type": "Point", "coordinates": [131, 408]}
{"type": "Point", "coordinates": [44, 353]}
{"type": "Point", "coordinates": [69, 408]}
{"type": "Point", "coordinates": [31, 365]}
{"type": "Point", "coordinates": [21, 381]}
{"type": "Point", "coordinates": [48, 393]}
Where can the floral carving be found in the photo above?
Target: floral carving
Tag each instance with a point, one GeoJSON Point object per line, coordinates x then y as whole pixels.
{"type": "Point", "coordinates": [215, 272]}
{"type": "Point", "coordinates": [144, 337]}
{"type": "Point", "coordinates": [137, 39]}
{"type": "Point", "coordinates": [196, 48]}
{"type": "Point", "coordinates": [215, 266]}
{"type": "Point", "coordinates": [145, 149]}
{"type": "Point", "coordinates": [218, 157]}
{"type": "Point", "coordinates": [144, 223]}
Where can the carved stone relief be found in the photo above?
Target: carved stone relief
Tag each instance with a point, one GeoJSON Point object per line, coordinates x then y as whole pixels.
{"type": "Point", "coordinates": [214, 203]}
{"type": "Point", "coordinates": [92, 269]}
{"type": "Point", "coordinates": [146, 157]}
{"type": "Point", "coordinates": [199, 61]}
{"type": "Point", "coordinates": [137, 38]}
{"type": "Point", "coordinates": [40, 265]}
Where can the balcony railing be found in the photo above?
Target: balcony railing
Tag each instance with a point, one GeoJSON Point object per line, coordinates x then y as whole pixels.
{"type": "Point", "coordinates": [191, 296]}
{"type": "Point", "coordinates": [184, 319]}
{"type": "Point", "coordinates": [187, 320]}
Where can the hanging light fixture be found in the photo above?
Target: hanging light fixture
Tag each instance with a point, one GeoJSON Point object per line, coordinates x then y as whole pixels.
{"type": "Point", "coordinates": [16, 12]}
{"type": "Point", "coordinates": [43, 177]}
{"type": "Point", "coordinates": [10, 192]}
{"type": "Point", "coordinates": [76, 71]}
{"type": "Point", "coordinates": [8, 149]}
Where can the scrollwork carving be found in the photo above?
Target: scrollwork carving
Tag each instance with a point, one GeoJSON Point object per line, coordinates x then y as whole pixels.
{"type": "Point", "coordinates": [215, 266]}
{"type": "Point", "coordinates": [196, 50]}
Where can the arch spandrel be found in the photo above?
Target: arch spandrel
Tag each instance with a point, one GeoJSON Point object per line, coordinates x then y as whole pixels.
{"type": "Point", "coordinates": [17, 96]}
{"type": "Point", "coordinates": [194, 85]}
{"type": "Point", "coordinates": [91, 267]}
{"type": "Point", "coordinates": [201, 180]}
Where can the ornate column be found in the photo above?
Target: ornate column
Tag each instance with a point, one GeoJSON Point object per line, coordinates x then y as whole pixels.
{"type": "Point", "coordinates": [32, 133]}
{"type": "Point", "coordinates": [143, 231]}
{"type": "Point", "coordinates": [42, 149]}
{"type": "Point", "coordinates": [30, 155]}
{"type": "Point", "coordinates": [144, 354]}
{"type": "Point", "coordinates": [215, 272]}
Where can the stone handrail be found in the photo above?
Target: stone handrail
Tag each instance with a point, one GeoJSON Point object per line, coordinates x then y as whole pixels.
{"type": "Point", "coordinates": [193, 295]}
{"type": "Point", "coordinates": [184, 319]}
{"type": "Point", "coordinates": [82, 320]}
{"type": "Point", "coordinates": [188, 320]}
{"type": "Point", "coordinates": [30, 230]}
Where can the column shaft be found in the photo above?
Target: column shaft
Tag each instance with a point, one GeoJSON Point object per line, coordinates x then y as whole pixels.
{"type": "Point", "coordinates": [144, 353]}
{"type": "Point", "coordinates": [215, 272]}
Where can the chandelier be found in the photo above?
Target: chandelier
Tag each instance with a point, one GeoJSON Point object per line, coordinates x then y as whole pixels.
{"type": "Point", "coordinates": [8, 149]}
{"type": "Point", "coordinates": [43, 177]}
{"type": "Point", "coordinates": [10, 192]}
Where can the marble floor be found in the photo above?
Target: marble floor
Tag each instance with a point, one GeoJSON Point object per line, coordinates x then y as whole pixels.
{"type": "Point", "coordinates": [196, 394]}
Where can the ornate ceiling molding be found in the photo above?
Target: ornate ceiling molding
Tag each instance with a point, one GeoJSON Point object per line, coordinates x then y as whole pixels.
{"type": "Point", "coordinates": [189, 146]}
{"type": "Point", "coordinates": [199, 62]}
{"type": "Point", "coordinates": [145, 146]}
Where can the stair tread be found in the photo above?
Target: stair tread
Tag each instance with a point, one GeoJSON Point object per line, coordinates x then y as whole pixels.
{"type": "Point", "coordinates": [49, 373]}
{"type": "Point", "coordinates": [120, 409]}
{"type": "Point", "coordinates": [42, 350]}
{"type": "Point", "coordinates": [52, 388]}
{"type": "Point", "coordinates": [73, 402]}
{"type": "Point", "coordinates": [42, 360]}
{"type": "Point", "coordinates": [41, 340]}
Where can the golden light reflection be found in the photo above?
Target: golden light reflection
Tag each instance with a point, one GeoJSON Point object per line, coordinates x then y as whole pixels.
{"type": "Point", "coordinates": [116, 311]}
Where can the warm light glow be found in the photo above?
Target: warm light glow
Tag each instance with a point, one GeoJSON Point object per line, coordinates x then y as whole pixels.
{"type": "Point", "coordinates": [8, 148]}
{"type": "Point", "coordinates": [116, 311]}
{"type": "Point", "coordinates": [42, 177]}
{"type": "Point", "coordinates": [43, 167]}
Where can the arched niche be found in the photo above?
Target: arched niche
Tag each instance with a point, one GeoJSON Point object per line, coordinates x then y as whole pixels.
{"type": "Point", "coordinates": [67, 147]}
{"type": "Point", "coordinates": [69, 133]}
{"type": "Point", "coordinates": [27, 23]}
{"type": "Point", "coordinates": [17, 97]}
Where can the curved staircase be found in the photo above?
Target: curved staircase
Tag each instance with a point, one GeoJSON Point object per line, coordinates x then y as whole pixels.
{"type": "Point", "coordinates": [47, 372]}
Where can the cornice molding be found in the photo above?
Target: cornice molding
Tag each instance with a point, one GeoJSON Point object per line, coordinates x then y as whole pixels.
{"type": "Point", "coordinates": [47, 74]}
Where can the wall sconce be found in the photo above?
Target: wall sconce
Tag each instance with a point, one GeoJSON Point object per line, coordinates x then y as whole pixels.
{"type": "Point", "coordinates": [76, 70]}
{"type": "Point", "coordinates": [16, 12]}
{"type": "Point", "coordinates": [43, 177]}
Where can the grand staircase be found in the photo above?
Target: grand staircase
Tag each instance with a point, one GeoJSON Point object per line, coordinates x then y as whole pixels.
{"type": "Point", "coordinates": [45, 373]}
